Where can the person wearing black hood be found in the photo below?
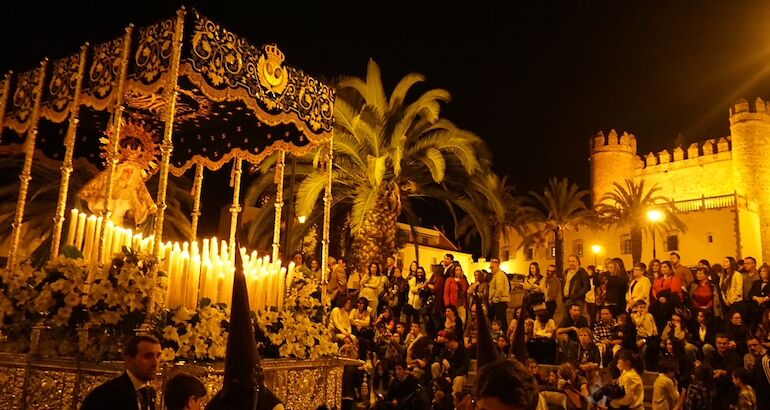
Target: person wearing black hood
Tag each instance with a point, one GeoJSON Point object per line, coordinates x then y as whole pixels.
{"type": "Point", "coordinates": [243, 386]}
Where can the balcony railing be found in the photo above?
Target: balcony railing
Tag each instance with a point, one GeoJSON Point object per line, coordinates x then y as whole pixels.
{"type": "Point", "coordinates": [704, 203]}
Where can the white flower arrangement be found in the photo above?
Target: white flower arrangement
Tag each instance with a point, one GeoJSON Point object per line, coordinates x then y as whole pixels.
{"type": "Point", "coordinates": [299, 330]}
{"type": "Point", "coordinates": [198, 335]}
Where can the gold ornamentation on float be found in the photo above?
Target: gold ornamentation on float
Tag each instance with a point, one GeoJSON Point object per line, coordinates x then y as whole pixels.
{"type": "Point", "coordinates": [216, 52]}
{"type": "Point", "coordinates": [272, 75]}
{"type": "Point", "coordinates": [153, 53]}
{"type": "Point", "coordinates": [137, 144]}
{"type": "Point", "coordinates": [104, 73]}
{"type": "Point", "coordinates": [189, 105]}
{"type": "Point", "coordinates": [61, 88]}
{"type": "Point", "coordinates": [50, 389]}
{"type": "Point", "coordinates": [23, 100]}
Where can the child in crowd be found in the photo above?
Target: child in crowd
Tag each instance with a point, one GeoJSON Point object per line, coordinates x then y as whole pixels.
{"type": "Point", "coordinates": [747, 399]}
{"type": "Point", "coordinates": [497, 329]}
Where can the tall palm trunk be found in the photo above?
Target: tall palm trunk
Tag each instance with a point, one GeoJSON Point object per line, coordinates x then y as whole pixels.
{"type": "Point", "coordinates": [559, 245]}
{"type": "Point", "coordinates": [376, 239]}
{"type": "Point", "coordinates": [636, 244]}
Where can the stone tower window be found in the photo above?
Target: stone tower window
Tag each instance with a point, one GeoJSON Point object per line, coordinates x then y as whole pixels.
{"type": "Point", "coordinates": [672, 243]}
{"type": "Point", "coordinates": [625, 245]}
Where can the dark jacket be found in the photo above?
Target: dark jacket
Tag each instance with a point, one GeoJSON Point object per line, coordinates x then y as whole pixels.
{"type": "Point", "coordinates": [578, 286]}
{"type": "Point", "coordinates": [114, 394]}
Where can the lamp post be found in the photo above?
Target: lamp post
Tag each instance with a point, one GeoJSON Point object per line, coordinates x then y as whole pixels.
{"type": "Point", "coordinates": [655, 216]}
{"type": "Point", "coordinates": [596, 249]}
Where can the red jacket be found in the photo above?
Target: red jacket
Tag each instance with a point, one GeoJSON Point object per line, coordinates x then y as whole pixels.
{"type": "Point", "coordinates": [455, 292]}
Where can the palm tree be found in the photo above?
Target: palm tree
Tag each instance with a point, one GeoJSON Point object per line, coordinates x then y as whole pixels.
{"type": "Point", "coordinates": [627, 206]}
{"type": "Point", "coordinates": [498, 227]}
{"type": "Point", "coordinates": [44, 192]}
{"type": "Point", "coordinates": [389, 154]}
{"type": "Point", "coordinates": [561, 207]}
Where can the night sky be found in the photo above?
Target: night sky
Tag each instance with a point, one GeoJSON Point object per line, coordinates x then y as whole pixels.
{"type": "Point", "coordinates": [534, 81]}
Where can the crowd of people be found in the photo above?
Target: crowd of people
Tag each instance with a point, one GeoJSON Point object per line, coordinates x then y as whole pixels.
{"type": "Point", "coordinates": [705, 330]}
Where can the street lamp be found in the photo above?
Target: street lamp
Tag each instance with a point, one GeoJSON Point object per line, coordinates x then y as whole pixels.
{"type": "Point", "coordinates": [596, 249]}
{"type": "Point", "coordinates": [655, 216]}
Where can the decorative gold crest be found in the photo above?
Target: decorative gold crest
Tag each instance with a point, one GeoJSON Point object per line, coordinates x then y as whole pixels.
{"type": "Point", "coordinates": [272, 75]}
{"type": "Point", "coordinates": [137, 145]}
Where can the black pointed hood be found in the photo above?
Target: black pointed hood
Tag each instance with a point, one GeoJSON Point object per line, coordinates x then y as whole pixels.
{"type": "Point", "coordinates": [243, 372]}
{"type": "Point", "coordinates": [486, 347]}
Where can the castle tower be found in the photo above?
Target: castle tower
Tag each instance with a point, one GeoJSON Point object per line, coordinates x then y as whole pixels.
{"type": "Point", "coordinates": [750, 132]}
{"type": "Point", "coordinates": [613, 159]}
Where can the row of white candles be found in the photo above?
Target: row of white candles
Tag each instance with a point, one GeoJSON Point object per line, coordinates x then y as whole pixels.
{"type": "Point", "coordinates": [192, 272]}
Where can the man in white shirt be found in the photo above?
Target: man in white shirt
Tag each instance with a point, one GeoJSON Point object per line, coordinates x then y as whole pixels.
{"type": "Point", "coordinates": [499, 294]}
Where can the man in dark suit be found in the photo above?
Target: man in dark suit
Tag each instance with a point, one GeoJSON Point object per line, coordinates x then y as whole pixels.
{"type": "Point", "coordinates": [130, 391]}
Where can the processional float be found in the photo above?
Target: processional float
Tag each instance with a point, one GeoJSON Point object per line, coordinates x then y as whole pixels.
{"type": "Point", "coordinates": [181, 95]}
{"type": "Point", "coordinates": [199, 94]}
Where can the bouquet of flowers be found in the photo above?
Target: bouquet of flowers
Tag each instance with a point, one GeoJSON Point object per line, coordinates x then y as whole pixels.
{"type": "Point", "coordinates": [199, 335]}
{"type": "Point", "coordinates": [299, 330]}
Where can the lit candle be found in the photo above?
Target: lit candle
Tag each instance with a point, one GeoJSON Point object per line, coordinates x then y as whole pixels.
{"type": "Point", "coordinates": [107, 246]}
{"type": "Point", "coordinates": [194, 275]}
{"type": "Point", "coordinates": [97, 238]}
{"type": "Point", "coordinates": [89, 238]}
{"type": "Point", "coordinates": [72, 227]}
{"type": "Point", "coordinates": [220, 285]}
{"type": "Point", "coordinates": [80, 231]}
{"type": "Point", "coordinates": [184, 278]}
{"type": "Point", "coordinates": [281, 290]}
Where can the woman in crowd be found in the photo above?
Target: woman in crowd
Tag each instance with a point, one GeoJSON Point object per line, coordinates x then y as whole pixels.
{"type": "Point", "coordinates": [479, 288]}
{"type": "Point", "coordinates": [667, 293]}
{"type": "Point", "coordinates": [615, 287]}
{"type": "Point", "coordinates": [639, 287]}
{"type": "Point", "coordinates": [455, 291]}
{"type": "Point", "coordinates": [542, 346]}
{"type": "Point", "coordinates": [534, 285]}
{"type": "Point", "coordinates": [416, 286]}
{"type": "Point", "coordinates": [412, 270]}
{"type": "Point", "coordinates": [452, 323]}
{"type": "Point", "coordinates": [653, 270]}
{"type": "Point", "coordinates": [340, 321]}
{"type": "Point", "coordinates": [702, 292]}
{"type": "Point", "coordinates": [372, 286]}
{"type": "Point", "coordinates": [738, 332]}
{"type": "Point", "coordinates": [731, 283]}
{"type": "Point", "coordinates": [630, 367]}
{"type": "Point", "coordinates": [387, 319]}
{"type": "Point", "coordinates": [704, 335]}
{"type": "Point", "coordinates": [676, 352]}
{"type": "Point", "coordinates": [759, 295]}
{"type": "Point", "coordinates": [594, 283]}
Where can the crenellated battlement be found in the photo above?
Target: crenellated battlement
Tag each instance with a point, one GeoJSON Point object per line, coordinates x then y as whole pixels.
{"type": "Point", "coordinates": [613, 142]}
{"type": "Point", "coordinates": [696, 154]}
{"type": "Point", "coordinates": [758, 106]}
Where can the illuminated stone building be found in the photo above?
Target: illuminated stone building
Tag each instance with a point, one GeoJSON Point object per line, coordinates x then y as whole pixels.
{"type": "Point", "coordinates": [721, 188]}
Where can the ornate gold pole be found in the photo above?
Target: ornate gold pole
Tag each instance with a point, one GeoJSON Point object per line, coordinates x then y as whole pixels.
{"type": "Point", "coordinates": [235, 207]}
{"type": "Point", "coordinates": [327, 215]}
{"type": "Point", "coordinates": [26, 172]}
{"type": "Point", "coordinates": [165, 149]}
{"type": "Point", "coordinates": [66, 167]}
{"type": "Point", "coordinates": [114, 143]}
{"type": "Point", "coordinates": [196, 194]}
{"type": "Point", "coordinates": [4, 98]}
{"type": "Point", "coordinates": [278, 180]}
{"type": "Point", "coordinates": [167, 146]}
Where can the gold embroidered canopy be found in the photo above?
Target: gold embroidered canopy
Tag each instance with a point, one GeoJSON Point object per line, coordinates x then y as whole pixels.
{"type": "Point", "coordinates": [203, 94]}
